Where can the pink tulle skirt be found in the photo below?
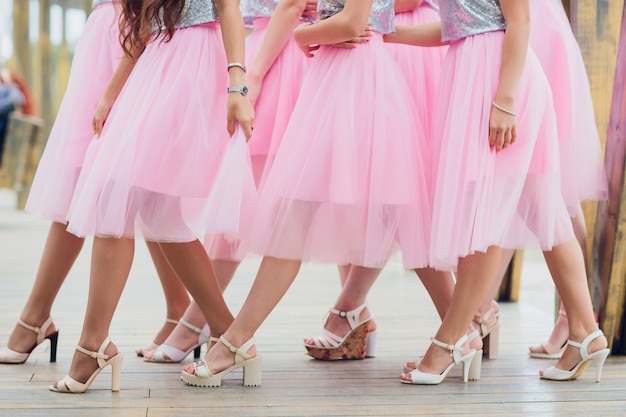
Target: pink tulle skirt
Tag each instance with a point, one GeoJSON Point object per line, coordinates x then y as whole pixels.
{"type": "Point", "coordinates": [348, 182]}
{"type": "Point", "coordinates": [582, 170]}
{"type": "Point", "coordinates": [95, 59]}
{"type": "Point", "coordinates": [421, 66]}
{"type": "Point", "coordinates": [152, 170]}
{"type": "Point", "coordinates": [512, 198]}
{"type": "Point", "coordinates": [273, 108]}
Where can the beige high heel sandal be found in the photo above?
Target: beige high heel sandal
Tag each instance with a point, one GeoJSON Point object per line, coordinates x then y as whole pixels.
{"type": "Point", "coordinates": [152, 346]}
{"type": "Point", "coordinates": [10, 356]}
{"type": "Point", "coordinates": [71, 386]}
{"type": "Point", "coordinates": [489, 329]}
{"type": "Point", "coordinates": [252, 372]}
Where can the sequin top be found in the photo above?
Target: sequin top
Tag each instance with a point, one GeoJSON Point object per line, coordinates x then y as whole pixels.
{"type": "Point", "coordinates": [463, 18]}
{"type": "Point", "coordinates": [197, 12]}
{"type": "Point", "coordinates": [262, 8]}
{"type": "Point", "coordinates": [433, 3]}
{"type": "Point", "coordinates": [99, 2]}
{"type": "Point", "coordinates": [381, 15]}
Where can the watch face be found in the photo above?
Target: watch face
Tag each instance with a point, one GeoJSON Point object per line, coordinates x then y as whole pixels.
{"type": "Point", "coordinates": [244, 90]}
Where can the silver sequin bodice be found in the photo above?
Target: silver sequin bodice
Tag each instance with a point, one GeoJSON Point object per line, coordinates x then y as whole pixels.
{"type": "Point", "coordinates": [197, 12]}
{"type": "Point", "coordinates": [260, 8]}
{"type": "Point", "coordinates": [463, 18]}
{"type": "Point", "coordinates": [433, 3]}
{"type": "Point", "coordinates": [99, 2]}
{"type": "Point", "coordinates": [381, 15]}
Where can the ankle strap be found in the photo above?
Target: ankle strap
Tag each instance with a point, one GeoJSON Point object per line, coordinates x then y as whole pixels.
{"type": "Point", "coordinates": [171, 321]}
{"type": "Point", "coordinates": [584, 345]}
{"type": "Point", "coordinates": [241, 352]}
{"type": "Point", "coordinates": [99, 355]}
{"type": "Point", "coordinates": [39, 331]}
{"type": "Point", "coordinates": [191, 326]}
{"type": "Point", "coordinates": [352, 316]}
{"type": "Point", "coordinates": [455, 350]}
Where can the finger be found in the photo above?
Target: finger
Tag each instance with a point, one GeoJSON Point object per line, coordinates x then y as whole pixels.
{"type": "Point", "coordinates": [492, 137]}
{"type": "Point", "coordinates": [247, 129]}
{"type": "Point", "coordinates": [513, 135]}
{"type": "Point", "coordinates": [230, 125]}
{"type": "Point", "coordinates": [499, 140]}
{"type": "Point", "coordinates": [507, 138]}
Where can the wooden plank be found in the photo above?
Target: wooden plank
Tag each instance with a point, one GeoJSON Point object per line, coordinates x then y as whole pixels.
{"type": "Point", "coordinates": [610, 241]}
{"type": "Point", "coordinates": [510, 287]}
{"type": "Point", "coordinates": [45, 66]}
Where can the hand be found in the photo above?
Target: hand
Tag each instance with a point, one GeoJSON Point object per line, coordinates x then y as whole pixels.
{"type": "Point", "coordinates": [310, 9]}
{"type": "Point", "coordinates": [100, 115]}
{"type": "Point", "coordinates": [353, 43]}
{"type": "Point", "coordinates": [254, 83]}
{"type": "Point", "coordinates": [239, 110]}
{"type": "Point", "coordinates": [306, 48]}
{"type": "Point", "coordinates": [502, 126]}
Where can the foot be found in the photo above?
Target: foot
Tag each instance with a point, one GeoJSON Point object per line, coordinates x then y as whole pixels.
{"type": "Point", "coordinates": [571, 356]}
{"type": "Point", "coordinates": [181, 338]}
{"type": "Point", "coordinates": [435, 361]}
{"type": "Point", "coordinates": [485, 321]}
{"type": "Point", "coordinates": [340, 326]}
{"type": "Point", "coordinates": [84, 366]}
{"type": "Point", "coordinates": [22, 339]}
{"type": "Point", "coordinates": [218, 358]}
{"type": "Point", "coordinates": [557, 339]}
{"type": "Point", "coordinates": [160, 338]}
{"type": "Point", "coordinates": [474, 343]}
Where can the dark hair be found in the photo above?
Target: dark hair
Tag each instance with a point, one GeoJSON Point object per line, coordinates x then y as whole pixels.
{"type": "Point", "coordinates": [145, 20]}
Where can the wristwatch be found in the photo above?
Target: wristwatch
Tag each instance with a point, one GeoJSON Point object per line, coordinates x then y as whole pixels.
{"type": "Point", "coordinates": [242, 89]}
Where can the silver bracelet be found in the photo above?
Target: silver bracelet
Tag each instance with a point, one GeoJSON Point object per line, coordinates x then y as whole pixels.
{"type": "Point", "coordinates": [502, 109]}
{"type": "Point", "coordinates": [238, 65]}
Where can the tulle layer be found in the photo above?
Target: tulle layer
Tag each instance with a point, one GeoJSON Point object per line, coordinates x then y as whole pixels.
{"type": "Point", "coordinates": [582, 170]}
{"type": "Point", "coordinates": [348, 182]}
{"type": "Point", "coordinates": [512, 198]}
{"type": "Point", "coordinates": [152, 170]}
{"type": "Point", "coordinates": [420, 66]}
{"type": "Point", "coordinates": [95, 59]}
{"type": "Point", "coordinates": [273, 108]}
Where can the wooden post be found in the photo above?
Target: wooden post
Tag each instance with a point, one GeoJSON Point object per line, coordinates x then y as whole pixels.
{"type": "Point", "coordinates": [21, 47]}
{"type": "Point", "coordinates": [610, 242]}
{"type": "Point", "coordinates": [45, 60]}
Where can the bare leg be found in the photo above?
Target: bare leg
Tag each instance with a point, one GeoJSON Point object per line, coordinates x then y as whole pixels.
{"type": "Point", "coordinates": [59, 254]}
{"type": "Point", "coordinates": [176, 296]}
{"type": "Point", "coordinates": [487, 304]}
{"type": "Point", "coordinates": [357, 285]}
{"type": "Point", "coordinates": [344, 270]}
{"type": "Point", "coordinates": [192, 265]}
{"type": "Point", "coordinates": [476, 274]}
{"type": "Point", "coordinates": [111, 260]}
{"type": "Point", "coordinates": [566, 264]}
{"type": "Point", "coordinates": [440, 286]}
{"type": "Point", "coordinates": [274, 278]}
{"type": "Point", "coordinates": [183, 338]}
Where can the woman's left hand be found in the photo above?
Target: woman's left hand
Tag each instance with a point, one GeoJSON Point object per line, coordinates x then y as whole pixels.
{"type": "Point", "coordinates": [240, 110]}
{"type": "Point", "coordinates": [306, 48]}
{"type": "Point", "coordinates": [502, 126]}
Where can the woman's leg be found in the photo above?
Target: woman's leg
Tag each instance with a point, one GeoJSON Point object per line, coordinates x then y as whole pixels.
{"type": "Point", "coordinates": [566, 264]}
{"type": "Point", "coordinates": [192, 265]}
{"type": "Point", "coordinates": [475, 276]}
{"type": "Point", "coordinates": [183, 338]}
{"type": "Point", "coordinates": [111, 260]}
{"type": "Point", "coordinates": [176, 296]}
{"type": "Point", "coordinates": [274, 278]}
{"type": "Point", "coordinates": [59, 254]}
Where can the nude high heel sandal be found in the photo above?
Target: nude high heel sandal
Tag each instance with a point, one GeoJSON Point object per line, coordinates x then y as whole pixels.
{"type": "Point", "coordinates": [489, 328]}
{"type": "Point", "coordinates": [10, 356]}
{"type": "Point", "coordinates": [251, 368]}
{"type": "Point", "coordinates": [71, 386]}
{"type": "Point", "coordinates": [423, 378]}
{"type": "Point", "coordinates": [555, 374]}
{"type": "Point", "coordinates": [359, 343]}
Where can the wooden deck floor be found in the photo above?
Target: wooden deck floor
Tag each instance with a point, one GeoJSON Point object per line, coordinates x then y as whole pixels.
{"type": "Point", "coordinates": [293, 384]}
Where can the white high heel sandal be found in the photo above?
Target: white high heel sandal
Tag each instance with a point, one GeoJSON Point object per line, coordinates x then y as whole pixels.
{"type": "Point", "coordinates": [152, 346]}
{"type": "Point", "coordinates": [10, 356]}
{"type": "Point", "coordinates": [71, 386]}
{"type": "Point", "coordinates": [169, 354]}
{"type": "Point", "coordinates": [423, 378]}
{"type": "Point", "coordinates": [555, 374]}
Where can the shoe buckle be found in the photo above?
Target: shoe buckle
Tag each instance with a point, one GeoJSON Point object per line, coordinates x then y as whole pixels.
{"type": "Point", "coordinates": [343, 314]}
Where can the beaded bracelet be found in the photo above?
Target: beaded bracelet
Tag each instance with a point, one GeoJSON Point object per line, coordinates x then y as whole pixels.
{"type": "Point", "coordinates": [502, 109]}
{"type": "Point", "coordinates": [238, 65]}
